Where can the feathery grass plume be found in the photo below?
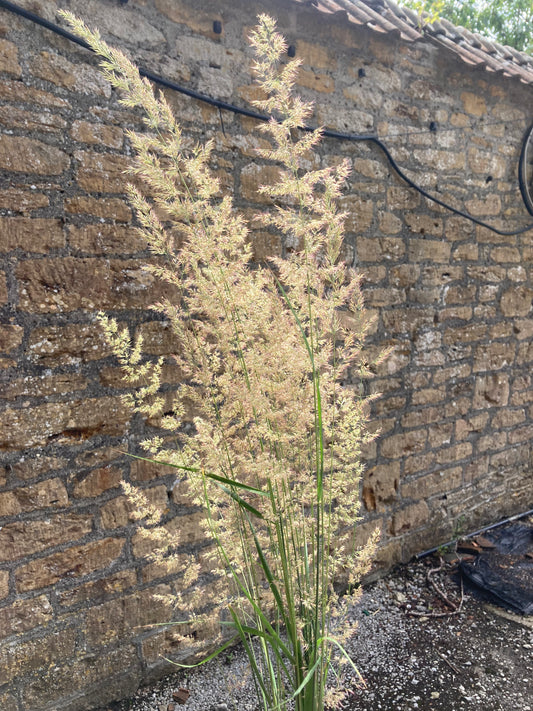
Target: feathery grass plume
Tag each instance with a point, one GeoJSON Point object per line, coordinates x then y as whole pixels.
{"type": "Point", "coordinates": [273, 458]}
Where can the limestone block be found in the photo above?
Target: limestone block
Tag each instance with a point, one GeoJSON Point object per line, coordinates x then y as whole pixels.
{"type": "Point", "coordinates": [45, 494]}
{"type": "Point", "coordinates": [30, 427]}
{"type": "Point", "coordinates": [73, 562]}
{"type": "Point", "coordinates": [24, 657]}
{"type": "Point", "coordinates": [25, 615]}
{"type": "Point", "coordinates": [97, 481]}
{"type": "Point", "coordinates": [22, 538]}
{"type": "Point", "coordinates": [409, 518]}
{"type": "Point", "coordinates": [10, 337]}
{"type": "Point", "coordinates": [9, 58]}
{"type": "Point", "coordinates": [516, 301]}
{"type": "Point", "coordinates": [81, 78]}
{"type": "Point", "coordinates": [67, 345]}
{"type": "Point", "coordinates": [27, 155]}
{"type": "Point", "coordinates": [107, 208]}
{"type": "Point", "coordinates": [380, 485]}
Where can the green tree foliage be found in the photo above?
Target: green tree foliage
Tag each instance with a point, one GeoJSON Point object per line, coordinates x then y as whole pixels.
{"type": "Point", "coordinates": [509, 22]}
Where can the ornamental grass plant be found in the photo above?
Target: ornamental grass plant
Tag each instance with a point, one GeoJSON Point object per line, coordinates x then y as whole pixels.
{"type": "Point", "coordinates": [272, 362]}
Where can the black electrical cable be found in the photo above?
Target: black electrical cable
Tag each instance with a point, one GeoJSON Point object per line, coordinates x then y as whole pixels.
{"type": "Point", "coordinates": [11, 7]}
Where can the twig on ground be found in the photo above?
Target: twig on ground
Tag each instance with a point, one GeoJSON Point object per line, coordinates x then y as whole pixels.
{"type": "Point", "coordinates": [455, 607]}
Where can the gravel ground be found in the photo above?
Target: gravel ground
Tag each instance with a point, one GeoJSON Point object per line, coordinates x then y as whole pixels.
{"type": "Point", "coordinates": [477, 659]}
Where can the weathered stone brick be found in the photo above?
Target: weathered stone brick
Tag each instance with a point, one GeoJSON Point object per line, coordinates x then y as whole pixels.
{"type": "Point", "coordinates": [384, 297]}
{"type": "Point", "coordinates": [491, 391]}
{"type": "Point", "coordinates": [74, 562]}
{"type": "Point", "coordinates": [428, 396]}
{"type": "Point", "coordinates": [376, 249]}
{"type": "Point", "coordinates": [45, 494]}
{"type": "Point", "coordinates": [455, 453]}
{"type": "Point", "coordinates": [170, 644]}
{"type": "Point", "coordinates": [477, 469]}
{"type": "Point", "coordinates": [22, 201]}
{"type": "Point", "coordinates": [17, 91]}
{"type": "Point", "coordinates": [42, 385]}
{"type": "Point", "coordinates": [380, 485]}
{"type": "Point", "coordinates": [350, 119]}
{"type": "Point", "coordinates": [421, 417]}
{"type": "Point", "coordinates": [389, 223]}
{"type": "Point", "coordinates": [22, 538]}
{"type": "Point", "coordinates": [452, 373]}
{"type": "Point", "coordinates": [472, 332]}
{"type": "Point", "coordinates": [107, 208]}
{"type": "Point", "coordinates": [404, 444]}
{"type": "Point", "coordinates": [27, 155]}
{"type": "Point", "coordinates": [473, 104]}
{"type": "Point", "coordinates": [465, 253]}
{"type": "Point", "coordinates": [118, 512]}
{"type": "Point", "coordinates": [496, 440]}
{"type": "Point", "coordinates": [436, 275]}
{"type": "Point", "coordinates": [424, 224]}
{"type": "Point", "coordinates": [517, 274]}
{"type": "Point", "coordinates": [523, 329]}
{"type": "Point", "coordinates": [437, 483]}
{"type": "Point", "coordinates": [490, 205]}
{"type": "Point", "coordinates": [360, 215]}
{"type": "Point", "coordinates": [99, 590]}
{"type": "Point", "coordinates": [81, 78]}
{"type": "Point", "coordinates": [9, 58]}
{"type": "Point", "coordinates": [315, 55]}
{"type": "Point", "coordinates": [316, 81]}
{"type": "Point", "coordinates": [196, 19]}
{"type": "Point", "coordinates": [510, 457]}
{"type": "Point", "coordinates": [117, 668]}
{"type": "Point", "coordinates": [69, 284]}
{"type": "Point", "coordinates": [25, 615]}
{"type": "Point", "coordinates": [187, 530]}
{"type": "Point", "coordinates": [97, 133]}
{"type": "Point", "coordinates": [10, 337]}
{"type": "Point", "coordinates": [406, 320]}
{"type": "Point", "coordinates": [4, 584]}
{"type": "Point", "coordinates": [120, 618]}
{"type": "Point", "coordinates": [158, 337]}
{"type": "Point", "coordinates": [459, 294]}
{"type": "Point", "coordinates": [97, 481]}
{"type": "Point", "coordinates": [494, 356]}
{"type": "Point", "coordinates": [375, 275]}
{"type": "Point", "coordinates": [18, 659]}
{"type": "Point", "coordinates": [521, 434]}
{"type": "Point", "coordinates": [102, 172]}
{"type": "Point", "coordinates": [107, 239]}
{"type": "Point", "coordinates": [505, 255]}
{"type": "Point", "coordinates": [369, 168]}
{"type": "Point", "coordinates": [422, 250]}
{"type": "Point", "coordinates": [440, 160]}
{"type": "Point", "coordinates": [399, 198]}
{"type": "Point", "coordinates": [404, 275]}
{"type": "Point", "coordinates": [253, 176]}
{"type": "Point", "coordinates": [31, 121]}
{"type": "Point", "coordinates": [77, 420]}
{"type": "Point", "coordinates": [463, 313]}
{"type": "Point", "coordinates": [487, 163]}
{"type": "Point", "coordinates": [28, 468]}
{"type": "Point", "coordinates": [408, 518]}
{"type": "Point", "coordinates": [516, 301]}
{"type": "Point", "coordinates": [67, 345]}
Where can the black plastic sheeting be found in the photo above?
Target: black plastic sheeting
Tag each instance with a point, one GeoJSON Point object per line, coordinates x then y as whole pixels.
{"type": "Point", "coordinates": [505, 572]}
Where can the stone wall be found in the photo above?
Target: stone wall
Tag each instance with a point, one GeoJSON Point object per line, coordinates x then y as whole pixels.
{"type": "Point", "coordinates": [453, 299]}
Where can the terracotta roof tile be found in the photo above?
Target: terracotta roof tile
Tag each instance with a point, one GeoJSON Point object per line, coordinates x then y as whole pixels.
{"type": "Point", "coordinates": [386, 16]}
